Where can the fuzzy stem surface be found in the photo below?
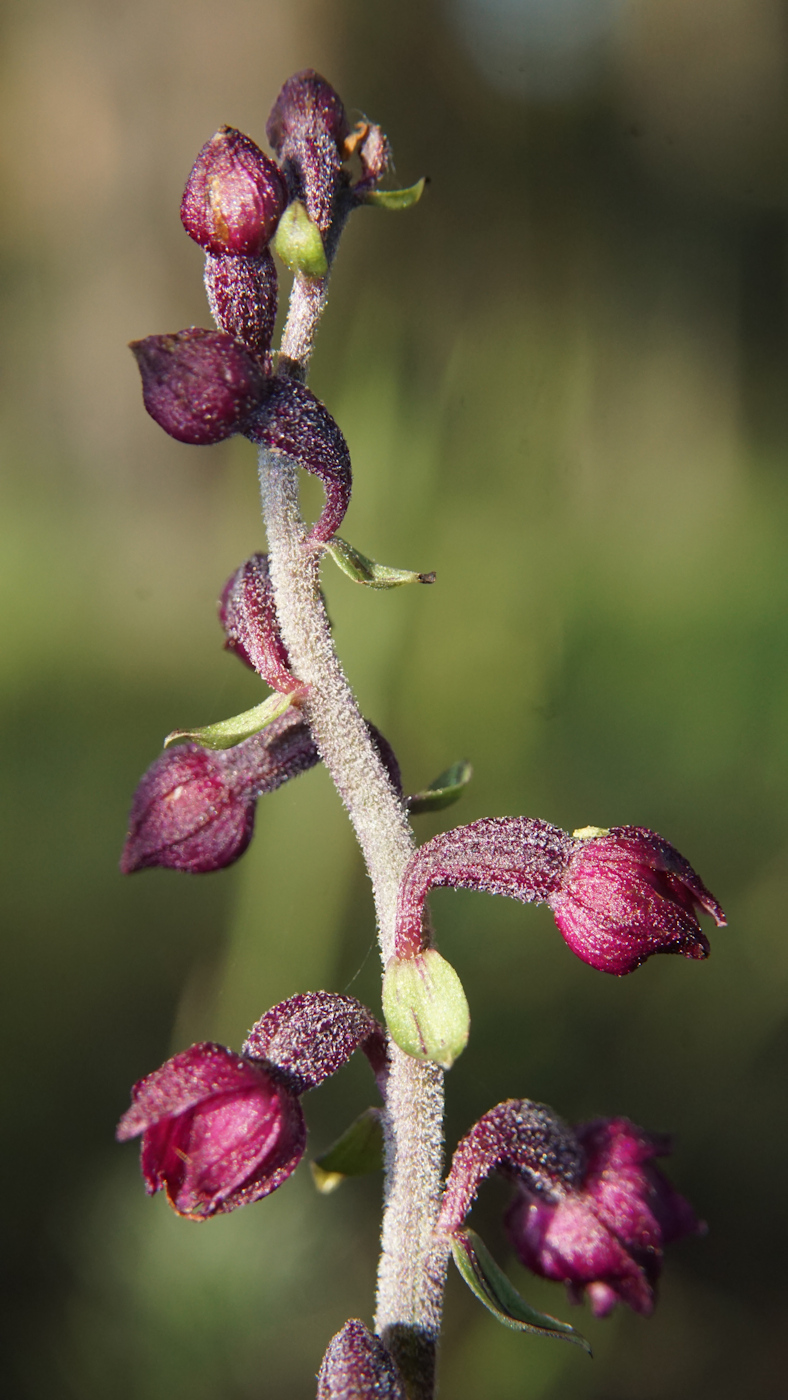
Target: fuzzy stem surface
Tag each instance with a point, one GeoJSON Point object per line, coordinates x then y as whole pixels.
{"type": "Point", "coordinates": [412, 1267]}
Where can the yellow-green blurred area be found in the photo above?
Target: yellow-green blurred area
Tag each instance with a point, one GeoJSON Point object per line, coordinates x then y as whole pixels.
{"type": "Point", "coordinates": [564, 383]}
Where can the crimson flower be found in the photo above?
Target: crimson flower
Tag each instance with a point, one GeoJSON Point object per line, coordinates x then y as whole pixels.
{"type": "Point", "coordinates": [605, 1236]}
{"type": "Point", "coordinates": [218, 1130]}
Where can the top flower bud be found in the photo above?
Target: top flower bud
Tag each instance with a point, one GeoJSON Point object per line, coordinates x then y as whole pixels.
{"type": "Point", "coordinates": [235, 196]}
{"type": "Point", "coordinates": [306, 104]}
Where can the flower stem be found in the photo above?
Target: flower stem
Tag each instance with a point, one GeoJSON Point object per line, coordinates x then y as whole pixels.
{"type": "Point", "coordinates": [412, 1267]}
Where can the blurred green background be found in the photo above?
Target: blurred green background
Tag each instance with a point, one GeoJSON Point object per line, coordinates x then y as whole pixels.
{"type": "Point", "coordinates": [563, 382]}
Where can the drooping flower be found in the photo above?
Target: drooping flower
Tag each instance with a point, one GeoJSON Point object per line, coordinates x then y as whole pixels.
{"type": "Point", "coordinates": [627, 893]}
{"type": "Point", "coordinates": [194, 808]}
{"type": "Point", "coordinates": [219, 1130]}
{"type": "Point", "coordinates": [618, 896]}
{"type": "Point", "coordinates": [234, 197]}
{"type": "Point", "coordinates": [606, 1237]}
{"type": "Point", "coordinates": [200, 386]}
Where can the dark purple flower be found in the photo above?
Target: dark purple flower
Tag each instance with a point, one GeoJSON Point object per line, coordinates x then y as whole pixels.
{"type": "Point", "coordinates": [235, 195]}
{"type": "Point", "coordinates": [357, 1366]}
{"type": "Point", "coordinates": [242, 295]}
{"type": "Point", "coordinates": [194, 809]}
{"type": "Point", "coordinates": [618, 896]}
{"type": "Point", "coordinates": [200, 386]}
{"type": "Point", "coordinates": [219, 1130]}
{"type": "Point", "coordinates": [626, 894]}
{"type": "Point", "coordinates": [606, 1236]}
{"type": "Point", "coordinates": [292, 421]}
{"type": "Point", "coordinates": [247, 612]}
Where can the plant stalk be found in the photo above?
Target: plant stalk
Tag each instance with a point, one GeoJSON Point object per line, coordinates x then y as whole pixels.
{"type": "Point", "coordinates": [412, 1268]}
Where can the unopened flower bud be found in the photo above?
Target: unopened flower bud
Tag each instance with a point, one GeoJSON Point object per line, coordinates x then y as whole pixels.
{"type": "Point", "coordinates": [219, 1130]}
{"type": "Point", "coordinates": [604, 1236]}
{"type": "Point", "coordinates": [194, 809]}
{"type": "Point", "coordinates": [234, 197]}
{"type": "Point", "coordinates": [247, 612]}
{"type": "Point", "coordinates": [200, 386]}
{"type": "Point", "coordinates": [426, 1008]}
{"type": "Point", "coordinates": [307, 129]}
{"type": "Point", "coordinates": [357, 1366]}
{"type": "Point", "coordinates": [242, 295]}
{"type": "Point", "coordinates": [306, 104]}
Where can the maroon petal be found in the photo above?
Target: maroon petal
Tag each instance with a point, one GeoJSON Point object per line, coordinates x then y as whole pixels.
{"type": "Point", "coordinates": [186, 1080]}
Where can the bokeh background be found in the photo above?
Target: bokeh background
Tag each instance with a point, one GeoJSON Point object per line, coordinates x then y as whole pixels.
{"type": "Point", "coordinates": [563, 383]}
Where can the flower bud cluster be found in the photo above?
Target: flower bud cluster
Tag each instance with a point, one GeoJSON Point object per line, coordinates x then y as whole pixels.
{"type": "Point", "coordinates": [204, 386]}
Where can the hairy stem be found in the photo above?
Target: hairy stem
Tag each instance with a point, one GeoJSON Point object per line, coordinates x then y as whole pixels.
{"type": "Point", "coordinates": [412, 1267]}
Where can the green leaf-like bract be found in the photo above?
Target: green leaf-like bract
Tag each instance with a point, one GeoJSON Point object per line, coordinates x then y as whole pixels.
{"type": "Point", "coordinates": [446, 789]}
{"type": "Point", "coordinates": [397, 199]}
{"type": "Point", "coordinates": [358, 1151]}
{"type": "Point", "coordinates": [298, 242]}
{"type": "Point", "coordinates": [493, 1289]}
{"type": "Point", "coordinates": [226, 733]}
{"type": "Point", "coordinates": [363, 570]}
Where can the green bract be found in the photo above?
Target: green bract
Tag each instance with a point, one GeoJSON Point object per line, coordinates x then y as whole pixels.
{"type": "Point", "coordinates": [298, 242]}
{"type": "Point", "coordinates": [426, 1008]}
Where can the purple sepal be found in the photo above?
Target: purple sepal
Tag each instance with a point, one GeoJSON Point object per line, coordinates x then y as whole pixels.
{"type": "Point", "coordinates": [516, 1138]}
{"type": "Point", "coordinates": [218, 1131]}
{"type": "Point", "coordinates": [291, 420]}
{"type": "Point", "coordinates": [628, 894]}
{"type": "Point", "coordinates": [194, 808]}
{"type": "Point", "coordinates": [242, 295]}
{"type": "Point", "coordinates": [357, 1366]}
{"type": "Point", "coordinates": [307, 129]}
{"type": "Point", "coordinates": [200, 386]}
{"type": "Point", "coordinates": [516, 856]}
{"type": "Point", "coordinates": [606, 1236]}
{"type": "Point", "coordinates": [247, 612]}
{"type": "Point", "coordinates": [234, 197]}
{"type": "Point", "coordinates": [310, 1036]}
